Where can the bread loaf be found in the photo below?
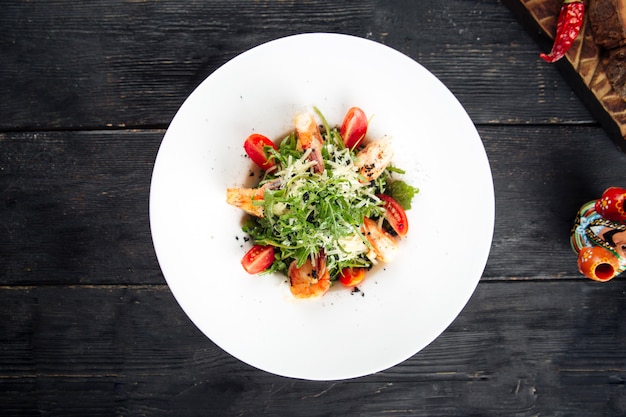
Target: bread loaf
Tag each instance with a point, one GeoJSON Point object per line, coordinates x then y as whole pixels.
{"type": "Point", "coordinates": [607, 18]}
{"type": "Point", "coordinates": [616, 70]}
{"type": "Point", "coordinates": [608, 24]}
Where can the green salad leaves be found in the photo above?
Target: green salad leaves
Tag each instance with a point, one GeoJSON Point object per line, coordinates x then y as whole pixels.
{"type": "Point", "coordinates": [310, 210]}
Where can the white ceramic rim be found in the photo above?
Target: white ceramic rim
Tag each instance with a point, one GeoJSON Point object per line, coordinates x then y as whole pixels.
{"type": "Point", "coordinates": [403, 306]}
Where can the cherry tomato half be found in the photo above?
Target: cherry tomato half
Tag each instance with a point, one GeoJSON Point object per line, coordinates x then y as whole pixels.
{"type": "Point", "coordinates": [354, 127]}
{"type": "Point", "coordinates": [351, 277]}
{"type": "Point", "coordinates": [395, 215]}
{"type": "Point", "coordinates": [258, 259]}
{"type": "Point", "coordinates": [254, 147]}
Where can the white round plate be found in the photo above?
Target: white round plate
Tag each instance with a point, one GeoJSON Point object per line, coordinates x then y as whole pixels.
{"type": "Point", "coordinates": [403, 306]}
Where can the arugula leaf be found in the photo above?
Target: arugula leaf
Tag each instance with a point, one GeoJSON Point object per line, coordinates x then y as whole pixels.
{"type": "Point", "coordinates": [312, 211]}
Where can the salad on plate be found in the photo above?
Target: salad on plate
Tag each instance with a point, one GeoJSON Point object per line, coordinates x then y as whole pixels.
{"type": "Point", "coordinates": [328, 206]}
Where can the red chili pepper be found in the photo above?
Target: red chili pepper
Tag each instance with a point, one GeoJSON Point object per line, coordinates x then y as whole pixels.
{"type": "Point", "coordinates": [567, 29]}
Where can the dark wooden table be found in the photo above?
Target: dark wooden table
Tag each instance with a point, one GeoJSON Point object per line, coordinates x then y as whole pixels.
{"type": "Point", "coordinates": [88, 326]}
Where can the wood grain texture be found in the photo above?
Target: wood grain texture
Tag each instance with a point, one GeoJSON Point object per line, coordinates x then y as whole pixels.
{"type": "Point", "coordinates": [131, 351]}
{"type": "Point", "coordinates": [540, 185]}
{"type": "Point", "coordinates": [88, 326]}
{"type": "Point", "coordinates": [115, 63]}
{"type": "Point", "coordinates": [76, 207]}
{"type": "Point", "coordinates": [76, 203]}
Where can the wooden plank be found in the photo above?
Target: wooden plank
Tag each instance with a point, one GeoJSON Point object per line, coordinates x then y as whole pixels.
{"type": "Point", "coordinates": [517, 349]}
{"type": "Point", "coordinates": [62, 225]}
{"type": "Point", "coordinates": [75, 207]}
{"type": "Point", "coordinates": [542, 176]}
{"type": "Point", "coordinates": [114, 63]}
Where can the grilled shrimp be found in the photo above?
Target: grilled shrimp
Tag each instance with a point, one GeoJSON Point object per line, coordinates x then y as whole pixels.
{"type": "Point", "coordinates": [310, 280]}
{"type": "Point", "coordinates": [383, 244]}
{"type": "Point", "coordinates": [309, 137]}
{"type": "Point", "coordinates": [245, 198]}
{"type": "Point", "coordinates": [373, 159]}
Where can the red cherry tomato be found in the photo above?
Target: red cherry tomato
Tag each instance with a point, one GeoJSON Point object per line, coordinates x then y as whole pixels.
{"type": "Point", "coordinates": [351, 277]}
{"type": "Point", "coordinates": [254, 147]}
{"type": "Point", "coordinates": [354, 127]}
{"type": "Point", "coordinates": [395, 215]}
{"type": "Point", "coordinates": [258, 259]}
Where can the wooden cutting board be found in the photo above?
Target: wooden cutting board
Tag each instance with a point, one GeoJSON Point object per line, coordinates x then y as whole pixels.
{"type": "Point", "coordinates": [582, 67]}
